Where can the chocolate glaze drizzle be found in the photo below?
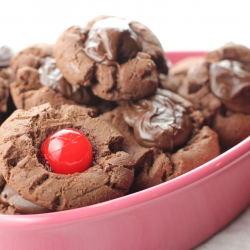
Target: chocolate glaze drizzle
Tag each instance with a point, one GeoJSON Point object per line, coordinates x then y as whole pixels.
{"type": "Point", "coordinates": [51, 76]}
{"type": "Point", "coordinates": [158, 122]}
{"type": "Point", "coordinates": [111, 40]}
{"type": "Point", "coordinates": [230, 81]}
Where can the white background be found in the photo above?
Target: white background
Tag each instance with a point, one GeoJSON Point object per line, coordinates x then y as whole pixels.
{"type": "Point", "coordinates": [179, 25]}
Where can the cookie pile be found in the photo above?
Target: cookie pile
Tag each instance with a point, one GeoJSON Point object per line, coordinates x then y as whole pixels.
{"type": "Point", "coordinates": [218, 84]}
{"type": "Point", "coordinates": [101, 114]}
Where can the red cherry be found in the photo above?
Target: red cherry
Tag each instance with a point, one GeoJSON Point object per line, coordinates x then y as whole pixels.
{"type": "Point", "coordinates": [67, 151]}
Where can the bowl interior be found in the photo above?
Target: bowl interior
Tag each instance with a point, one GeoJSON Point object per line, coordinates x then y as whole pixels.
{"type": "Point", "coordinates": [134, 199]}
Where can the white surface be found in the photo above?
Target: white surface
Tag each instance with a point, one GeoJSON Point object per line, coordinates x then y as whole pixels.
{"type": "Point", "coordinates": [234, 237]}
{"type": "Point", "coordinates": [179, 25]}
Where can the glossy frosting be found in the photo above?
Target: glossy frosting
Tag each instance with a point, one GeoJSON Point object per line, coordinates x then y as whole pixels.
{"type": "Point", "coordinates": [230, 81]}
{"type": "Point", "coordinates": [159, 121]}
{"type": "Point", "coordinates": [10, 198]}
{"type": "Point", "coordinates": [111, 40]}
{"type": "Point", "coordinates": [51, 76]}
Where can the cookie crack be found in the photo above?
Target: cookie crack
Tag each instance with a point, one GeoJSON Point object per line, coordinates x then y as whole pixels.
{"type": "Point", "coordinates": [38, 182]}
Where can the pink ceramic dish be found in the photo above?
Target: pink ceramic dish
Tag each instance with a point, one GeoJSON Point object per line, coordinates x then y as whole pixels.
{"type": "Point", "coordinates": [178, 214]}
{"type": "Point", "coordinates": [175, 56]}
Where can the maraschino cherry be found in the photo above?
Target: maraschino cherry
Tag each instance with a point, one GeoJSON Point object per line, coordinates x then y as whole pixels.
{"type": "Point", "coordinates": [67, 151]}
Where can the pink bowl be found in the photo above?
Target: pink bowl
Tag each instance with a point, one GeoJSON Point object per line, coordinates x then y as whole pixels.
{"type": "Point", "coordinates": [175, 56]}
{"type": "Point", "coordinates": [178, 214]}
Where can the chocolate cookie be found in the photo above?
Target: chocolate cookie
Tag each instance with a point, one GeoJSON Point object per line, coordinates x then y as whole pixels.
{"type": "Point", "coordinates": [51, 77]}
{"type": "Point", "coordinates": [177, 74]}
{"type": "Point", "coordinates": [27, 91]}
{"type": "Point", "coordinates": [21, 136]}
{"type": "Point", "coordinates": [162, 133]}
{"type": "Point", "coordinates": [219, 85]}
{"type": "Point", "coordinates": [118, 59]}
{"type": "Point", "coordinates": [196, 88]}
{"type": "Point", "coordinates": [6, 77]}
{"type": "Point", "coordinates": [31, 56]}
{"type": "Point", "coordinates": [152, 166]}
{"type": "Point", "coordinates": [44, 83]}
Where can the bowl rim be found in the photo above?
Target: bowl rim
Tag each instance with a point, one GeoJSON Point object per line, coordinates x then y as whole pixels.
{"type": "Point", "coordinates": [128, 201]}
{"type": "Point", "coordinates": [175, 56]}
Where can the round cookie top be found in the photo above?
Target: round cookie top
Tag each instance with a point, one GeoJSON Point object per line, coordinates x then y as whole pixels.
{"type": "Point", "coordinates": [219, 85]}
{"type": "Point", "coordinates": [230, 82]}
{"type": "Point", "coordinates": [50, 76]}
{"type": "Point", "coordinates": [27, 91]}
{"type": "Point", "coordinates": [230, 51]}
{"type": "Point", "coordinates": [161, 120]}
{"type": "Point", "coordinates": [118, 59]}
{"type": "Point", "coordinates": [21, 137]}
{"type": "Point", "coordinates": [111, 41]}
{"type": "Point", "coordinates": [39, 81]}
{"type": "Point", "coordinates": [31, 56]}
{"type": "Point", "coordinates": [129, 37]}
{"type": "Point", "coordinates": [227, 70]}
{"type": "Point", "coordinates": [219, 81]}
